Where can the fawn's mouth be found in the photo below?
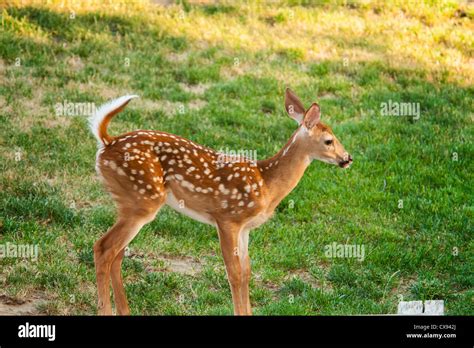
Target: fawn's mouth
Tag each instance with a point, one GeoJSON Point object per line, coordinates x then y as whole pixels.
{"type": "Point", "coordinates": [346, 163]}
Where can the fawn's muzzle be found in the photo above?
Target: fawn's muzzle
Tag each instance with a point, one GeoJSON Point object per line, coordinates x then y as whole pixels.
{"type": "Point", "coordinates": [346, 162]}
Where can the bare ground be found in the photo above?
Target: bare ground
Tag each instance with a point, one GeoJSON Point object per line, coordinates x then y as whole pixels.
{"type": "Point", "coordinates": [14, 306]}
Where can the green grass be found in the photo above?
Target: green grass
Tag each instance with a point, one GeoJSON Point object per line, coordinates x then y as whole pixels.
{"type": "Point", "coordinates": [216, 74]}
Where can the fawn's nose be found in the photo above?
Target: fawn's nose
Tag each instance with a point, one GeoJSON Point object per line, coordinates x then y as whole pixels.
{"type": "Point", "coordinates": [346, 162]}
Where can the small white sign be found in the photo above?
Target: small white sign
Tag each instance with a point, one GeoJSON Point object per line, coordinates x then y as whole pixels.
{"type": "Point", "coordinates": [432, 307]}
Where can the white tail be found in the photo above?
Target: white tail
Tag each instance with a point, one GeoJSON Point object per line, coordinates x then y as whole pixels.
{"type": "Point", "coordinates": [146, 169]}
{"type": "Point", "coordinates": [100, 119]}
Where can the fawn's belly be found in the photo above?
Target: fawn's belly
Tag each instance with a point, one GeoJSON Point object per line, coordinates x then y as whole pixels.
{"type": "Point", "coordinates": [180, 207]}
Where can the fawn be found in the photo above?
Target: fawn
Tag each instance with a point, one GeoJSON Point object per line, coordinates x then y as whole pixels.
{"type": "Point", "coordinates": [145, 169]}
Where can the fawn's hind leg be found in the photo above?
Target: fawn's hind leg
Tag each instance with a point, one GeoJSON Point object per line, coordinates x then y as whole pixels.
{"type": "Point", "coordinates": [108, 254]}
{"type": "Point", "coordinates": [120, 298]}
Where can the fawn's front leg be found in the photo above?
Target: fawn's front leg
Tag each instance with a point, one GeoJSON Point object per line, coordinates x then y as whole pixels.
{"type": "Point", "coordinates": [234, 251]}
{"type": "Point", "coordinates": [245, 267]}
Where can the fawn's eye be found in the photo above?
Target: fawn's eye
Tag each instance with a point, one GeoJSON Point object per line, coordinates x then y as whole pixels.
{"type": "Point", "coordinates": [328, 142]}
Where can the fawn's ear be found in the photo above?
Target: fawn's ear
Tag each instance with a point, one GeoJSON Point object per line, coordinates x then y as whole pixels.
{"type": "Point", "coordinates": [293, 106]}
{"type": "Point", "coordinates": [312, 116]}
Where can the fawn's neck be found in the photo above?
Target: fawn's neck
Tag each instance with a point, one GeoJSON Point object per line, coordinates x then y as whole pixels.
{"type": "Point", "coordinates": [283, 171]}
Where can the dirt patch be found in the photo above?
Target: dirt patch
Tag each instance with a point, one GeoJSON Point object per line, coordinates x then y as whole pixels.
{"type": "Point", "coordinates": [308, 278]}
{"type": "Point", "coordinates": [168, 263]}
{"type": "Point", "coordinates": [75, 63]}
{"type": "Point", "coordinates": [177, 57]}
{"type": "Point", "coordinates": [28, 111]}
{"type": "Point", "coordinates": [2, 67]}
{"type": "Point", "coordinates": [403, 288]}
{"type": "Point", "coordinates": [13, 306]}
{"type": "Point", "coordinates": [198, 89]}
{"type": "Point", "coordinates": [268, 284]}
{"type": "Point", "coordinates": [32, 105]}
{"type": "Point", "coordinates": [301, 274]}
{"type": "Point", "coordinates": [53, 121]}
{"type": "Point", "coordinates": [184, 265]}
{"type": "Point", "coordinates": [327, 96]}
{"type": "Point", "coordinates": [235, 70]}
{"type": "Point", "coordinates": [196, 104]}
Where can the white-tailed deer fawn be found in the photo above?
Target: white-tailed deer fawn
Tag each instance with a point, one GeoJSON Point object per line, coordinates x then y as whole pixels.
{"type": "Point", "coordinates": [145, 169]}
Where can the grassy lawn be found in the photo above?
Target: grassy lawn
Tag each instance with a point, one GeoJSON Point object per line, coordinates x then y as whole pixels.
{"type": "Point", "coordinates": [216, 74]}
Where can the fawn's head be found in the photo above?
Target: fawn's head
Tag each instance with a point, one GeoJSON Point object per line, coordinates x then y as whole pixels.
{"type": "Point", "coordinates": [320, 141]}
